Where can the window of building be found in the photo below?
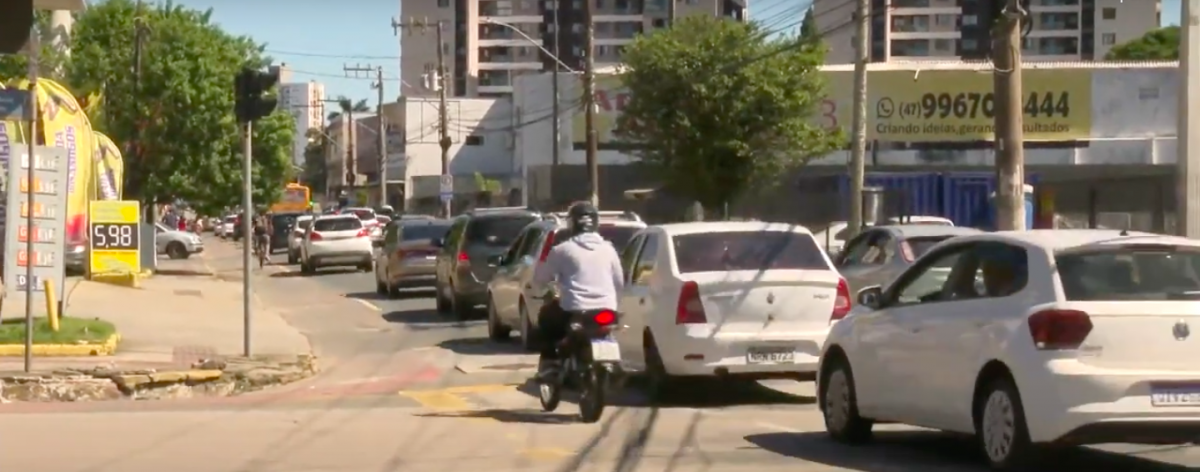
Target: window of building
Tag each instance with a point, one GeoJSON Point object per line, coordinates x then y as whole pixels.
{"type": "Point", "coordinates": [970, 20]}
{"type": "Point", "coordinates": [1108, 13]}
{"type": "Point", "coordinates": [943, 44]}
{"type": "Point", "coordinates": [474, 140]}
{"type": "Point", "coordinates": [1108, 39]}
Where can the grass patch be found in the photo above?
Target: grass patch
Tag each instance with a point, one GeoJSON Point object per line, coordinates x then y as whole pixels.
{"type": "Point", "coordinates": [71, 331]}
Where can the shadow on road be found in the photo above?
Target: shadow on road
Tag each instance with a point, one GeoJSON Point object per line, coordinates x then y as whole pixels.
{"type": "Point", "coordinates": [928, 449]}
{"type": "Point", "coordinates": [403, 294]}
{"type": "Point", "coordinates": [630, 391]}
{"type": "Point", "coordinates": [318, 273]}
{"type": "Point", "coordinates": [526, 416]}
{"type": "Point", "coordinates": [481, 347]}
{"type": "Point", "coordinates": [414, 317]}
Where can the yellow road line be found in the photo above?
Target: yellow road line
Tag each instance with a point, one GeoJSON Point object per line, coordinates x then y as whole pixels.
{"type": "Point", "coordinates": [440, 401]}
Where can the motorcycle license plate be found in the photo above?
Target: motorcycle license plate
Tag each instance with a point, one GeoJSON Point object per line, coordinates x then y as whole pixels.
{"type": "Point", "coordinates": [605, 350]}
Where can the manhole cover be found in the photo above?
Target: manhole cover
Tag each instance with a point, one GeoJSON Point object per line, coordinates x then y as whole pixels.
{"type": "Point", "coordinates": [509, 366]}
{"type": "Point", "coordinates": [189, 293]}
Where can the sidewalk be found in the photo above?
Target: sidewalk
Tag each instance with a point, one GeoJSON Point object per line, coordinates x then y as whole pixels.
{"type": "Point", "coordinates": [171, 321]}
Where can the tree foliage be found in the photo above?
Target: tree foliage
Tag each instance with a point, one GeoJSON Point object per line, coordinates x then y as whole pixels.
{"type": "Point", "coordinates": [1161, 44]}
{"type": "Point", "coordinates": [808, 27]}
{"type": "Point", "coordinates": [716, 108]}
{"type": "Point", "coordinates": [345, 105]}
{"type": "Point", "coordinates": [182, 107]}
{"type": "Point", "coordinates": [315, 173]}
{"type": "Point", "coordinates": [50, 61]}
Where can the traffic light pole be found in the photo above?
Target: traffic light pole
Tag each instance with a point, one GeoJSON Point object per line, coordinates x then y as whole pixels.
{"type": "Point", "coordinates": [248, 238]}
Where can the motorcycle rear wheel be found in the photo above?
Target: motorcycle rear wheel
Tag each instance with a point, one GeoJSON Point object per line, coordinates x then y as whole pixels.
{"type": "Point", "coordinates": [591, 395]}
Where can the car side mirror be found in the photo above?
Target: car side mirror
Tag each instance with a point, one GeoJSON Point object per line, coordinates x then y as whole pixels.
{"type": "Point", "coordinates": [871, 296]}
{"type": "Point", "coordinates": [495, 261]}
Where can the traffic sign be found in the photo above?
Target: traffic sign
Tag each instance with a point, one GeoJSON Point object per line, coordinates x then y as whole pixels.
{"type": "Point", "coordinates": [114, 237]}
{"type": "Point", "coordinates": [446, 187]}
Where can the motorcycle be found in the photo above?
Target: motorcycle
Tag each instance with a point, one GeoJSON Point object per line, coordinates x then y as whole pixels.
{"type": "Point", "coordinates": [589, 357]}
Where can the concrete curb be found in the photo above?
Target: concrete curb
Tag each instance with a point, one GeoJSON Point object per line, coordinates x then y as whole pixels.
{"type": "Point", "coordinates": [126, 279]}
{"type": "Point", "coordinates": [107, 348]}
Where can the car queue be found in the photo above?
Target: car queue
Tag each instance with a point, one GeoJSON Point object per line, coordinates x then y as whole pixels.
{"type": "Point", "coordinates": [1026, 340]}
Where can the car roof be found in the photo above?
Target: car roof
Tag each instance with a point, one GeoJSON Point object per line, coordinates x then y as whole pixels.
{"type": "Point", "coordinates": [926, 231]}
{"type": "Point", "coordinates": [1061, 239]}
{"type": "Point", "coordinates": [336, 217]}
{"type": "Point", "coordinates": [675, 229]}
{"type": "Point", "coordinates": [422, 222]}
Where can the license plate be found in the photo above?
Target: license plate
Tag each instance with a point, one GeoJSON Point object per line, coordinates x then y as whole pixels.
{"type": "Point", "coordinates": [770, 356]}
{"type": "Point", "coordinates": [1175, 395]}
{"type": "Point", "coordinates": [605, 350]}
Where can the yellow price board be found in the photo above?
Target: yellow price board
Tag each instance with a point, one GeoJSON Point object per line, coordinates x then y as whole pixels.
{"type": "Point", "coordinates": [114, 237]}
{"type": "Point", "coordinates": [958, 105]}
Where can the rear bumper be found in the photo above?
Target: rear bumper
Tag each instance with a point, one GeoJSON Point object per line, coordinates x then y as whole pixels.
{"type": "Point", "coordinates": [702, 350]}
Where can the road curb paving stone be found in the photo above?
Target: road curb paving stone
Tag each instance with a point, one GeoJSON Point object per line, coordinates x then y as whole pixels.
{"type": "Point", "coordinates": [106, 348]}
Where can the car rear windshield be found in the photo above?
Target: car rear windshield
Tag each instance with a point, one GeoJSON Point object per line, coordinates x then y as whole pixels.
{"type": "Point", "coordinates": [1131, 273]}
{"type": "Point", "coordinates": [230, 219]}
{"type": "Point", "coordinates": [364, 214]}
{"type": "Point", "coordinates": [419, 231]}
{"type": "Point", "coordinates": [747, 250]}
{"type": "Point", "coordinates": [920, 246]}
{"type": "Point", "coordinates": [498, 231]}
{"type": "Point", "coordinates": [619, 236]}
{"type": "Point", "coordinates": [304, 224]}
{"type": "Point", "coordinates": [337, 224]}
{"type": "Point", "coordinates": [282, 221]}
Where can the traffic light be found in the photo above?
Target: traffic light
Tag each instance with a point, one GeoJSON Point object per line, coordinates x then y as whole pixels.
{"type": "Point", "coordinates": [16, 22]}
{"type": "Point", "coordinates": [252, 99]}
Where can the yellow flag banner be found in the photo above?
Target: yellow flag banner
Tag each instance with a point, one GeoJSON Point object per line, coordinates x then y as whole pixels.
{"type": "Point", "coordinates": [64, 125]}
{"type": "Point", "coordinates": [108, 168]}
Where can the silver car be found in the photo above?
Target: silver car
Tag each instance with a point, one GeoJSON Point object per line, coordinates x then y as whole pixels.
{"type": "Point", "coordinates": [880, 254]}
{"type": "Point", "coordinates": [176, 244]}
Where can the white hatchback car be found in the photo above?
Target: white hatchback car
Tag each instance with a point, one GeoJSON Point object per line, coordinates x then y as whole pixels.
{"type": "Point", "coordinates": [336, 240]}
{"type": "Point", "coordinates": [1030, 338]}
{"type": "Point", "coordinates": [727, 299]}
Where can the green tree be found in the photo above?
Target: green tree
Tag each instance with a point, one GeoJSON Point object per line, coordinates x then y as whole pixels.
{"type": "Point", "coordinates": [50, 60]}
{"type": "Point", "coordinates": [315, 172]}
{"type": "Point", "coordinates": [1161, 44]}
{"type": "Point", "coordinates": [182, 111]}
{"type": "Point", "coordinates": [345, 106]}
{"type": "Point", "coordinates": [716, 108]}
{"type": "Point", "coordinates": [808, 27]}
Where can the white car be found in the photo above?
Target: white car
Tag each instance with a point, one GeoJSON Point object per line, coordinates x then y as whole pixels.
{"type": "Point", "coordinates": [225, 230]}
{"type": "Point", "coordinates": [336, 240]}
{"type": "Point", "coordinates": [1031, 338]}
{"type": "Point", "coordinates": [728, 299]}
{"type": "Point", "coordinates": [296, 238]}
{"type": "Point", "coordinates": [833, 237]}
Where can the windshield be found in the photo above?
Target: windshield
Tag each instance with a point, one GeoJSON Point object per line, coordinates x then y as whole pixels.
{"type": "Point", "coordinates": [920, 246]}
{"type": "Point", "coordinates": [337, 224]}
{"type": "Point", "coordinates": [304, 224]}
{"type": "Point", "coordinates": [1131, 273]}
{"type": "Point", "coordinates": [230, 219]}
{"type": "Point", "coordinates": [747, 250]}
{"type": "Point", "coordinates": [281, 222]}
{"type": "Point", "coordinates": [619, 236]}
{"type": "Point", "coordinates": [363, 214]}
{"type": "Point", "coordinates": [497, 231]}
{"type": "Point", "coordinates": [414, 232]}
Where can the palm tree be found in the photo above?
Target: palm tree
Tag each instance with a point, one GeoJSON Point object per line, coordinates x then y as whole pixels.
{"type": "Point", "coordinates": [347, 106]}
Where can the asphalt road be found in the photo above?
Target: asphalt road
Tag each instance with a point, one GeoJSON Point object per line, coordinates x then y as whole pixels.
{"type": "Point", "coordinates": [406, 389]}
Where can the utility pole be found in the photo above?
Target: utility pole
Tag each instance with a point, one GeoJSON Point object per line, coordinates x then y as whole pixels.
{"type": "Point", "coordinates": [30, 283]}
{"type": "Point", "coordinates": [380, 124]}
{"type": "Point", "coordinates": [671, 12]}
{"type": "Point", "coordinates": [441, 85]}
{"type": "Point", "coordinates": [135, 144]}
{"type": "Point", "coordinates": [1187, 193]}
{"type": "Point", "coordinates": [557, 131]}
{"type": "Point", "coordinates": [1009, 122]}
{"type": "Point", "coordinates": [858, 131]}
{"type": "Point", "coordinates": [589, 101]}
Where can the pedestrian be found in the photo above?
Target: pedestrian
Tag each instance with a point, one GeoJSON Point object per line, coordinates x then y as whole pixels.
{"type": "Point", "coordinates": [183, 223]}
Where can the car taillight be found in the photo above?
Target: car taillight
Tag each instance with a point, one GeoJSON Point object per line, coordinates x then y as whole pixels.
{"type": "Point", "coordinates": [546, 247]}
{"type": "Point", "coordinates": [362, 233]}
{"type": "Point", "coordinates": [315, 236]}
{"type": "Point", "coordinates": [1059, 329]}
{"type": "Point", "coordinates": [841, 302]}
{"type": "Point", "coordinates": [464, 259]}
{"type": "Point", "coordinates": [605, 317]}
{"type": "Point", "coordinates": [690, 309]}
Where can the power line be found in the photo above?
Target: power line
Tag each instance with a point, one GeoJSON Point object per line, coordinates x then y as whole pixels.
{"type": "Point", "coordinates": [332, 56]}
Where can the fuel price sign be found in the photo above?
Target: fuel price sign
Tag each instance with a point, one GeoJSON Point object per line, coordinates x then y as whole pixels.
{"type": "Point", "coordinates": [113, 236]}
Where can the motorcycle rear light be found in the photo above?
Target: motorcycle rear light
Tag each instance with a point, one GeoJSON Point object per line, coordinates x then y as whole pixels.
{"type": "Point", "coordinates": [841, 302]}
{"type": "Point", "coordinates": [690, 309]}
{"type": "Point", "coordinates": [1059, 329]}
{"type": "Point", "coordinates": [315, 236]}
{"type": "Point", "coordinates": [605, 317]}
{"type": "Point", "coordinates": [362, 233]}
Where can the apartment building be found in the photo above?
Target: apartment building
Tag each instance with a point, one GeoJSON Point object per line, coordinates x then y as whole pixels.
{"type": "Point", "coordinates": [304, 101]}
{"type": "Point", "coordinates": [487, 43]}
{"type": "Point", "coordinates": [1061, 30]}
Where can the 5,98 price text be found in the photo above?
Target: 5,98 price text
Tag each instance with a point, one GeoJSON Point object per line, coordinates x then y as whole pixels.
{"type": "Point", "coordinates": [983, 105]}
{"type": "Point", "coordinates": [118, 236]}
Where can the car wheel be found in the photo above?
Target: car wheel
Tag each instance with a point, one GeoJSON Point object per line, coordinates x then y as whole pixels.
{"type": "Point", "coordinates": [367, 267]}
{"type": "Point", "coordinates": [1000, 427]}
{"type": "Point", "coordinates": [380, 287]}
{"type": "Point", "coordinates": [496, 330]}
{"type": "Point", "coordinates": [529, 333]}
{"type": "Point", "coordinates": [443, 304]}
{"type": "Point", "coordinates": [461, 310]}
{"type": "Point", "coordinates": [175, 250]}
{"type": "Point", "coordinates": [306, 267]}
{"type": "Point", "coordinates": [839, 405]}
{"type": "Point", "coordinates": [292, 258]}
{"type": "Point", "coordinates": [660, 385]}
{"type": "Point", "coordinates": [393, 289]}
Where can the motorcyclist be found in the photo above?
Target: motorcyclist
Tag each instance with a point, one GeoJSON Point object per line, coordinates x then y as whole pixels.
{"type": "Point", "coordinates": [588, 271]}
{"type": "Point", "coordinates": [387, 210]}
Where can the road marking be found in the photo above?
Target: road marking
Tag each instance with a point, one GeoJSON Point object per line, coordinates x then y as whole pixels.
{"type": "Point", "coordinates": [444, 401]}
{"type": "Point", "coordinates": [367, 304]}
{"type": "Point", "coordinates": [466, 389]}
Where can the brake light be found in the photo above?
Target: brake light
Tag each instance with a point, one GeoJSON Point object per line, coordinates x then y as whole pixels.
{"type": "Point", "coordinates": [690, 309]}
{"type": "Point", "coordinates": [362, 233]}
{"type": "Point", "coordinates": [315, 236]}
{"type": "Point", "coordinates": [841, 302]}
{"type": "Point", "coordinates": [1059, 329]}
{"type": "Point", "coordinates": [547, 246]}
{"type": "Point", "coordinates": [463, 259]}
{"type": "Point", "coordinates": [605, 317]}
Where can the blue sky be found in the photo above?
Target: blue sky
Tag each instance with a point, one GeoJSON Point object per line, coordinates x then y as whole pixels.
{"type": "Point", "coordinates": [317, 38]}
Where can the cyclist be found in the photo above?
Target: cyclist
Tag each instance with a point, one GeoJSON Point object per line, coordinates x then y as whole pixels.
{"type": "Point", "coordinates": [588, 270]}
{"type": "Point", "coordinates": [262, 235]}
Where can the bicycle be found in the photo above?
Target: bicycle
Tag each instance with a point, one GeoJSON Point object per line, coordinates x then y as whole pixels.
{"type": "Point", "coordinates": [261, 250]}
